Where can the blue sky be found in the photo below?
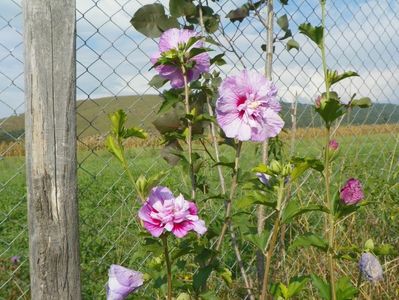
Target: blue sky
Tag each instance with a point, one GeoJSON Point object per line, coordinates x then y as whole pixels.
{"type": "Point", "coordinates": [362, 36]}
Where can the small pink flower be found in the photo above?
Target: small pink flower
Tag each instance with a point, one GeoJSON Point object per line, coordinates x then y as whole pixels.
{"type": "Point", "coordinates": [163, 212]}
{"type": "Point", "coordinates": [122, 282]}
{"type": "Point", "coordinates": [172, 39]}
{"type": "Point", "coordinates": [352, 192]}
{"type": "Point", "coordinates": [247, 108]}
{"type": "Point", "coordinates": [333, 145]}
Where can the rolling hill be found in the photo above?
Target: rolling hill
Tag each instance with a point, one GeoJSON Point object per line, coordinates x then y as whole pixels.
{"type": "Point", "coordinates": [92, 116]}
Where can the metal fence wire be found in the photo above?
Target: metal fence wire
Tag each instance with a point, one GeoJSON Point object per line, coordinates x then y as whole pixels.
{"type": "Point", "coordinates": [113, 70]}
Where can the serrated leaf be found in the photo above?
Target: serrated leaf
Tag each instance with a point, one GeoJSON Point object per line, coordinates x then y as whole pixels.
{"type": "Point", "coordinates": [303, 164]}
{"type": "Point", "coordinates": [296, 285]}
{"type": "Point", "coordinates": [283, 23]}
{"type": "Point", "coordinates": [344, 290]}
{"type": "Point", "coordinates": [259, 240]}
{"type": "Point", "coordinates": [114, 148]}
{"type": "Point", "coordinates": [322, 286]}
{"type": "Point", "coordinates": [294, 209]}
{"type": "Point", "coordinates": [333, 76]}
{"type": "Point", "coordinates": [135, 132]}
{"type": "Point", "coordinates": [292, 44]}
{"type": "Point", "coordinates": [309, 240]}
{"type": "Point", "coordinates": [170, 98]}
{"type": "Point", "coordinates": [312, 32]}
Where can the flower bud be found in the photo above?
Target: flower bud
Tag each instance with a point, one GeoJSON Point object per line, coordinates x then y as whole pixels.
{"type": "Point", "coordinates": [370, 267]}
{"type": "Point", "coordinates": [318, 102]}
{"type": "Point", "coordinates": [333, 145]}
{"type": "Point", "coordinates": [122, 282]}
{"type": "Point", "coordinates": [352, 192]}
{"type": "Point", "coordinates": [264, 178]}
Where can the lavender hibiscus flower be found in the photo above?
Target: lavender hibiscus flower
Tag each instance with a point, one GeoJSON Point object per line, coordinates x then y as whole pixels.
{"type": "Point", "coordinates": [122, 282]}
{"type": "Point", "coordinates": [174, 39]}
{"type": "Point", "coordinates": [163, 212]}
{"type": "Point", "coordinates": [352, 192]}
{"type": "Point", "coordinates": [247, 108]}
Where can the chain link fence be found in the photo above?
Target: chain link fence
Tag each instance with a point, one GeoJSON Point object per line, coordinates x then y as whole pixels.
{"type": "Point", "coordinates": [113, 70]}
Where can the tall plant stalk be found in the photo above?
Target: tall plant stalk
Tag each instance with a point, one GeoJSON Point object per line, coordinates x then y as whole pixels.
{"type": "Point", "coordinates": [330, 204]}
{"type": "Point", "coordinates": [168, 266]}
{"type": "Point", "coordinates": [189, 138]}
{"type": "Point", "coordinates": [265, 145]}
{"type": "Point", "coordinates": [273, 241]}
{"type": "Point", "coordinates": [229, 201]}
{"type": "Point", "coordinates": [222, 181]}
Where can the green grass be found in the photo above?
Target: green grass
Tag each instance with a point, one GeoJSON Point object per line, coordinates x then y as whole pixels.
{"type": "Point", "coordinates": [109, 228]}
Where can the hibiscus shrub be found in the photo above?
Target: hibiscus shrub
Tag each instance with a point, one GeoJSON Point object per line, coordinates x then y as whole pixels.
{"type": "Point", "coordinates": [203, 109]}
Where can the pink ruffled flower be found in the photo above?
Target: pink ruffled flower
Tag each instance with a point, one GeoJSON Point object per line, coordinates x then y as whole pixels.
{"type": "Point", "coordinates": [352, 192]}
{"type": "Point", "coordinates": [171, 39]}
{"type": "Point", "coordinates": [247, 108]}
{"type": "Point", "coordinates": [122, 282]}
{"type": "Point", "coordinates": [163, 212]}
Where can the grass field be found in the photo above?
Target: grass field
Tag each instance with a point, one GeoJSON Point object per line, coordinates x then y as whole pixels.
{"type": "Point", "coordinates": [109, 229]}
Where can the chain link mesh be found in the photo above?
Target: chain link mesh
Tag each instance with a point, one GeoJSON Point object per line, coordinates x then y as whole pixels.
{"type": "Point", "coordinates": [113, 71]}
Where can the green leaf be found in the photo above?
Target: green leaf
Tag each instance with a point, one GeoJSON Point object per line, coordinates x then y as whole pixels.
{"type": "Point", "coordinates": [212, 23]}
{"type": "Point", "coordinates": [201, 276]}
{"type": "Point", "coordinates": [259, 240]}
{"type": "Point", "coordinates": [296, 285]}
{"type": "Point", "coordinates": [292, 44]}
{"type": "Point", "coordinates": [294, 209]}
{"type": "Point", "coordinates": [135, 132]}
{"type": "Point", "coordinates": [314, 33]}
{"type": "Point", "coordinates": [333, 76]}
{"type": "Point", "coordinates": [322, 286]}
{"type": "Point", "coordinates": [209, 295]}
{"type": "Point", "coordinates": [180, 8]}
{"type": "Point", "coordinates": [386, 249]}
{"type": "Point", "coordinates": [344, 290]}
{"type": "Point", "coordinates": [364, 102]}
{"type": "Point", "coordinates": [284, 290]}
{"type": "Point", "coordinates": [218, 60]}
{"type": "Point", "coordinates": [255, 198]}
{"type": "Point", "coordinates": [114, 148]}
{"type": "Point", "coordinates": [152, 21]}
{"type": "Point", "coordinates": [303, 164]}
{"type": "Point", "coordinates": [309, 239]}
{"type": "Point", "coordinates": [157, 81]}
{"type": "Point", "coordinates": [284, 2]}
{"type": "Point", "coordinates": [170, 99]}
{"type": "Point", "coordinates": [330, 109]}
{"type": "Point", "coordinates": [238, 14]}
{"type": "Point", "coordinates": [283, 23]}
{"type": "Point", "coordinates": [226, 275]}
{"type": "Point", "coordinates": [118, 120]}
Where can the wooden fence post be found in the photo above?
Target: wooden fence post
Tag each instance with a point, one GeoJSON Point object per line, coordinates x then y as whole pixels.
{"type": "Point", "coordinates": [50, 124]}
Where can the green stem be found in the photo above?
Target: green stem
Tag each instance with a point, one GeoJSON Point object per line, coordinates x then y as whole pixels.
{"type": "Point", "coordinates": [168, 265]}
{"type": "Point", "coordinates": [330, 204]}
{"type": "Point", "coordinates": [189, 138]}
{"type": "Point", "coordinates": [130, 175]}
{"type": "Point", "coordinates": [331, 221]}
{"type": "Point", "coordinates": [229, 201]}
{"type": "Point", "coordinates": [273, 241]}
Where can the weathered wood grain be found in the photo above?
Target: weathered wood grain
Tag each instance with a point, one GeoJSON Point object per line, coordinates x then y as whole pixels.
{"type": "Point", "coordinates": [50, 89]}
